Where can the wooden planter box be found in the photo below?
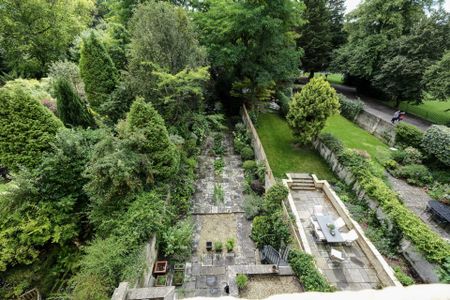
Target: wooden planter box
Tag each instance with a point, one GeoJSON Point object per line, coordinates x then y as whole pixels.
{"type": "Point", "coordinates": [178, 278]}
{"type": "Point", "coordinates": [179, 266]}
{"type": "Point", "coordinates": [161, 280]}
{"type": "Point", "coordinates": [160, 267]}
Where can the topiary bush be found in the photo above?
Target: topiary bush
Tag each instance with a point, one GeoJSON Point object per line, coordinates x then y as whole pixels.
{"type": "Point", "coordinates": [408, 135]}
{"type": "Point", "coordinates": [350, 108]}
{"type": "Point", "coordinates": [247, 153]}
{"type": "Point", "coordinates": [436, 141]}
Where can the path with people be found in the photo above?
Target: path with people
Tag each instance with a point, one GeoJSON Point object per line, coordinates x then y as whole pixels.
{"type": "Point", "coordinates": [378, 109]}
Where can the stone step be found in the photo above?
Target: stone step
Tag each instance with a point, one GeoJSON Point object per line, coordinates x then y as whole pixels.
{"type": "Point", "coordinates": [300, 184]}
{"type": "Point", "coordinates": [303, 188]}
{"type": "Point", "coordinates": [295, 176]}
{"type": "Point", "coordinates": [303, 180]}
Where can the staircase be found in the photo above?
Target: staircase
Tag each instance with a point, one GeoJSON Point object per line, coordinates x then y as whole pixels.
{"type": "Point", "coordinates": [302, 182]}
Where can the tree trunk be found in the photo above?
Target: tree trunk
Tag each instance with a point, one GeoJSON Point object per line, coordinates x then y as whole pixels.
{"type": "Point", "coordinates": [397, 102]}
{"type": "Point", "coordinates": [311, 75]}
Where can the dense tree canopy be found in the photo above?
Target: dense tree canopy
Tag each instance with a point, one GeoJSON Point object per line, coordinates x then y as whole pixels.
{"type": "Point", "coordinates": [34, 33]}
{"type": "Point", "coordinates": [251, 45]}
{"type": "Point", "coordinates": [27, 127]}
{"type": "Point", "coordinates": [437, 79]}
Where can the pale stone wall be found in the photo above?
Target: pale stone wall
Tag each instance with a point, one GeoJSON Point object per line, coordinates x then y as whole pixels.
{"type": "Point", "coordinates": [427, 271]}
{"type": "Point", "coordinates": [376, 126]}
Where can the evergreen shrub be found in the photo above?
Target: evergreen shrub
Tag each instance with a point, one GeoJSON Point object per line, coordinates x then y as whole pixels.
{"type": "Point", "coordinates": [436, 141]}
{"type": "Point", "coordinates": [408, 135]}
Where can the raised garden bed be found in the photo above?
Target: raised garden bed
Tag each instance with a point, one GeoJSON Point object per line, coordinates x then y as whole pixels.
{"type": "Point", "coordinates": [160, 267]}
{"type": "Point", "coordinates": [178, 278]}
{"type": "Point", "coordinates": [161, 280]}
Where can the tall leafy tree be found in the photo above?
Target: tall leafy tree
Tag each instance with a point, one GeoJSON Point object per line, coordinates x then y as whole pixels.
{"type": "Point", "coordinates": [310, 108]}
{"type": "Point", "coordinates": [251, 45]}
{"type": "Point", "coordinates": [437, 79]}
{"type": "Point", "coordinates": [97, 70]}
{"type": "Point", "coordinates": [337, 11]}
{"type": "Point", "coordinates": [35, 33]}
{"type": "Point", "coordinates": [71, 109]}
{"type": "Point", "coordinates": [316, 36]}
{"type": "Point", "coordinates": [26, 127]}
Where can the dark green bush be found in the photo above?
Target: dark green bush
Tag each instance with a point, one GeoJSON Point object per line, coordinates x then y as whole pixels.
{"type": "Point", "coordinates": [436, 141]}
{"type": "Point", "coordinates": [333, 143]}
{"type": "Point", "coordinates": [284, 104]}
{"type": "Point", "coordinates": [249, 166]}
{"type": "Point", "coordinates": [350, 108]}
{"type": "Point", "coordinates": [404, 279]}
{"type": "Point", "coordinates": [412, 156]}
{"type": "Point", "coordinates": [247, 153]}
{"type": "Point", "coordinates": [303, 266]}
{"type": "Point", "coordinates": [408, 135]}
{"type": "Point", "coordinates": [252, 205]}
{"type": "Point", "coordinates": [271, 230]}
{"type": "Point", "coordinates": [440, 192]}
{"type": "Point", "coordinates": [414, 174]}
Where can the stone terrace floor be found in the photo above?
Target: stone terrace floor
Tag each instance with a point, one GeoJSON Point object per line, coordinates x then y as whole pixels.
{"type": "Point", "coordinates": [356, 272]}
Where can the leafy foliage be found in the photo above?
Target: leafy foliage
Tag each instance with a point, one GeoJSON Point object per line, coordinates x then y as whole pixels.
{"type": "Point", "coordinates": [252, 205]}
{"type": "Point", "coordinates": [251, 45]}
{"type": "Point", "coordinates": [436, 141]}
{"type": "Point", "coordinates": [404, 279]}
{"type": "Point", "coordinates": [97, 70]}
{"type": "Point", "coordinates": [71, 109]}
{"type": "Point", "coordinates": [408, 135]}
{"type": "Point", "coordinates": [350, 108]}
{"type": "Point", "coordinates": [333, 143]}
{"type": "Point", "coordinates": [35, 33]}
{"type": "Point", "coordinates": [437, 78]}
{"type": "Point", "coordinates": [303, 266]}
{"type": "Point", "coordinates": [309, 109]}
{"type": "Point", "coordinates": [27, 127]}
{"type": "Point", "coordinates": [270, 230]}
{"type": "Point", "coordinates": [177, 240]}
{"type": "Point", "coordinates": [241, 281]}
{"type": "Point", "coordinates": [67, 70]}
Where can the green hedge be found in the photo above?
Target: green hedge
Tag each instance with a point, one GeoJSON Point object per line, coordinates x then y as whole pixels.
{"type": "Point", "coordinates": [427, 241]}
{"type": "Point", "coordinates": [408, 135]}
{"type": "Point", "coordinates": [303, 266]}
{"type": "Point", "coordinates": [333, 143]}
{"type": "Point", "coordinates": [436, 141]}
{"type": "Point", "coordinates": [350, 108]}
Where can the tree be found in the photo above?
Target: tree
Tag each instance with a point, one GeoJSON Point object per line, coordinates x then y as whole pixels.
{"type": "Point", "coordinates": [69, 71]}
{"type": "Point", "coordinates": [26, 127]}
{"type": "Point", "coordinates": [316, 36]}
{"type": "Point", "coordinates": [310, 108]}
{"type": "Point", "coordinates": [97, 70]}
{"type": "Point", "coordinates": [251, 46]}
{"type": "Point", "coordinates": [437, 79]}
{"type": "Point", "coordinates": [71, 109]}
{"type": "Point", "coordinates": [337, 11]}
{"type": "Point", "coordinates": [34, 33]}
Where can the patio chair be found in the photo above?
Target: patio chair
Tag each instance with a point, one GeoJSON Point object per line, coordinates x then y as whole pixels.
{"type": "Point", "coordinates": [320, 237]}
{"type": "Point", "coordinates": [317, 210]}
{"type": "Point", "coordinates": [339, 223]}
{"type": "Point", "coordinates": [350, 237]}
{"type": "Point", "coordinates": [336, 256]}
{"type": "Point", "coordinates": [314, 224]}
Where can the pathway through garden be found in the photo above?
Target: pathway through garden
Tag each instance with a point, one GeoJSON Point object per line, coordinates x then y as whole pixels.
{"type": "Point", "coordinates": [216, 221]}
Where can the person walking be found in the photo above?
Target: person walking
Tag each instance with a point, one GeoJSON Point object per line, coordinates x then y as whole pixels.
{"type": "Point", "coordinates": [395, 117]}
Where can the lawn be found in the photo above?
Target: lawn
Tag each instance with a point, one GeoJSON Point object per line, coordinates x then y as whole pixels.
{"type": "Point", "coordinates": [355, 137]}
{"type": "Point", "coordinates": [332, 77]}
{"type": "Point", "coordinates": [283, 155]}
{"type": "Point", "coordinates": [3, 186]}
{"type": "Point", "coordinates": [433, 111]}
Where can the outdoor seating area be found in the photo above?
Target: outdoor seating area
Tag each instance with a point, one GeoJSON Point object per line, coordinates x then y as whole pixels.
{"type": "Point", "coordinates": [332, 243]}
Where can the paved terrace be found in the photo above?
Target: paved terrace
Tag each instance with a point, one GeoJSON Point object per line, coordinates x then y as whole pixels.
{"type": "Point", "coordinates": [356, 272]}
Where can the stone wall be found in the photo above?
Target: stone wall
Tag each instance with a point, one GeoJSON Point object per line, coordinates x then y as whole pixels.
{"type": "Point", "coordinates": [376, 126]}
{"type": "Point", "coordinates": [258, 148]}
{"type": "Point", "coordinates": [426, 270]}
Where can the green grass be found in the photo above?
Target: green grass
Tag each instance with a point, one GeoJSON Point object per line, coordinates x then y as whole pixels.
{"type": "Point", "coordinates": [284, 157]}
{"type": "Point", "coordinates": [3, 186]}
{"type": "Point", "coordinates": [355, 137]}
{"type": "Point", "coordinates": [332, 77]}
{"type": "Point", "coordinates": [433, 111]}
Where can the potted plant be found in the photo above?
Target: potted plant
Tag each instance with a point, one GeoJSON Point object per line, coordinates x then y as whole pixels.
{"type": "Point", "coordinates": [161, 280]}
{"type": "Point", "coordinates": [178, 278]}
{"type": "Point", "coordinates": [331, 228]}
{"type": "Point", "coordinates": [241, 281]}
{"type": "Point", "coordinates": [160, 267]}
{"type": "Point", "coordinates": [218, 246]}
{"type": "Point", "coordinates": [230, 245]}
{"type": "Point", "coordinates": [209, 246]}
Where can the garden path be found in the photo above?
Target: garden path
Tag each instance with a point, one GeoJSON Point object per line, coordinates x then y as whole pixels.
{"type": "Point", "coordinates": [416, 199]}
{"type": "Point", "coordinates": [206, 273]}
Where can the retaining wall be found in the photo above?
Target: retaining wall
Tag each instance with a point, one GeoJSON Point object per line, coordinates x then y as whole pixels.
{"type": "Point", "coordinates": [376, 126]}
{"type": "Point", "coordinates": [427, 271]}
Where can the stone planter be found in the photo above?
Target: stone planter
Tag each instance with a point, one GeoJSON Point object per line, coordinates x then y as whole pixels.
{"type": "Point", "coordinates": [178, 278]}
{"type": "Point", "coordinates": [179, 266]}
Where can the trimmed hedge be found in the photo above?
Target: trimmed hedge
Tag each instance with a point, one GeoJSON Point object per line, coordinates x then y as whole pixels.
{"type": "Point", "coordinates": [303, 266]}
{"type": "Point", "coordinates": [408, 135]}
{"type": "Point", "coordinates": [436, 141]}
{"type": "Point", "coordinates": [350, 108]}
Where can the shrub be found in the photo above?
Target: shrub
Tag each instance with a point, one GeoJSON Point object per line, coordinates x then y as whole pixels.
{"type": "Point", "coordinates": [247, 153]}
{"type": "Point", "coordinates": [414, 174]}
{"type": "Point", "coordinates": [304, 268]}
{"type": "Point", "coordinates": [218, 146]}
{"type": "Point", "coordinates": [390, 164]}
{"type": "Point", "coordinates": [230, 244]}
{"type": "Point", "coordinates": [436, 141]}
{"type": "Point", "coordinates": [412, 156]}
{"type": "Point", "coordinates": [241, 281]}
{"type": "Point", "coordinates": [252, 205]}
{"type": "Point", "coordinates": [274, 196]}
{"type": "Point", "coordinates": [27, 127]}
{"type": "Point", "coordinates": [218, 195]}
{"type": "Point", "coordinates": [219, 164]}
{"type": "Point", "coordinates": [350, 108]}
{"type": "Point", "coordinates": [398, 155]}
{"type": "Point", "coordinates": [404, 279]}
{"type": "Point", "coordinates": [249, 166]}
{"type": "Point", "coordinates": [218, 246]}
{"type": "Point", "coordinates": [177, 240]}
{"type": "Point", "coordinates": [440, 192]}
{"type": "Point", "coordinates": [271, 230]}
{"type": "Point", "coordinates": [408, 135]}
{"type": "Point", "coordinates": [333, 143]}
{"type": "Point", "coordinates": [284, 104]}
{"type": "Point", "coordinates": [310, 109]}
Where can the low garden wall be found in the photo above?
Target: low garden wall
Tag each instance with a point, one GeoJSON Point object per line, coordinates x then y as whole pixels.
{"type": "Point", "coordinates": [258, 148]}
{"type": "Point", "coordinates": [376, 126]}
{"type": "Point", "coordinates": [426, 270]}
